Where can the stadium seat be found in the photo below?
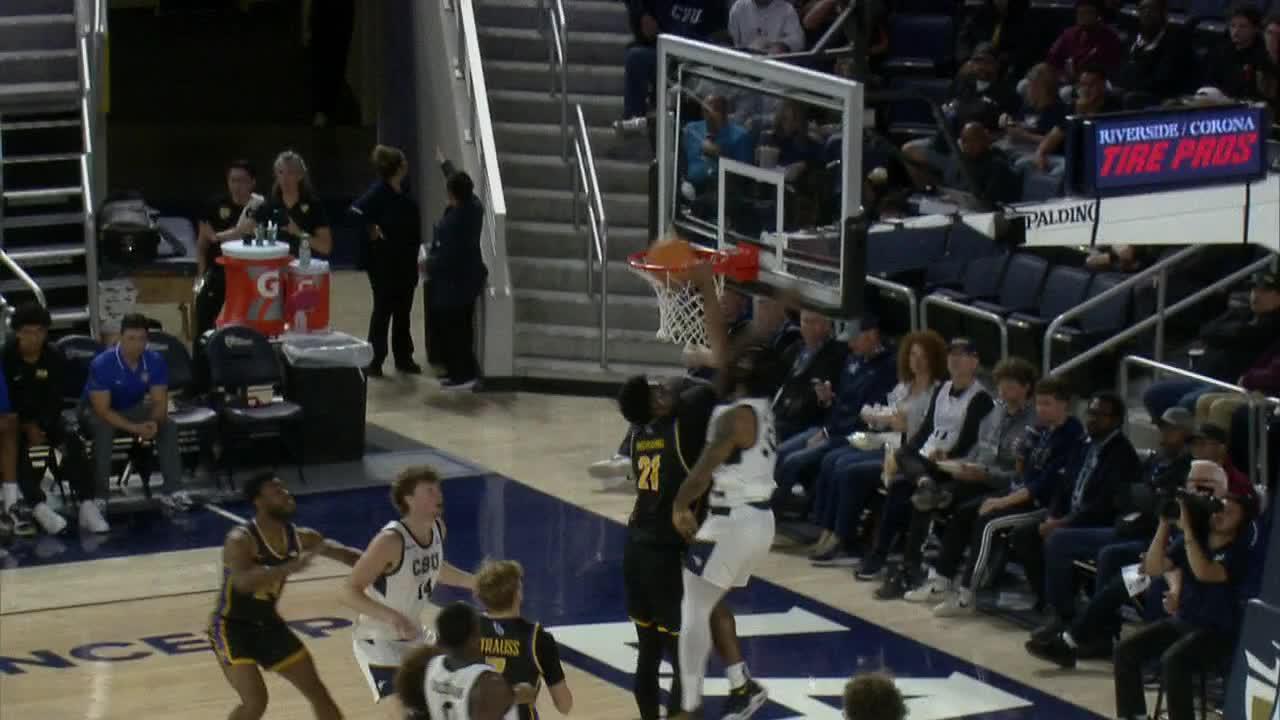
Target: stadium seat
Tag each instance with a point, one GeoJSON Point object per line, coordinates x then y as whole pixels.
{"type": "Point", "coordinates": [1019, 291]}
{"type": "Point", "coordinates": [903, 250]}
{"type": "Point", "coordinates": [193, 420]}
{"type": "Point", "coordinates": [1063, 289]}
{"type": "Point", "coordinates": [913, 118]}
{"type": "Point", "coordinates": [920, 44]}
{"type": "Point", "coordinates": [1094, 325]}
{"type": "Point", "coordinates": [982, 277]}
{"type": "Point", "coordinates": [963, 245]}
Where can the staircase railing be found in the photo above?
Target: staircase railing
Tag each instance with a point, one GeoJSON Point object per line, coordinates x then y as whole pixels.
{"type": "Point", "coordinates": [22, 277]}
{"type": "Point", "coordinates": [1159, 270]}
{"type": "Point", "coordinates": [554, 29]}
{"type": "Point", "coordinates": [92, 32]}
{"type": "Point", "coordinates": [586, 187]}
{"type": "Point", "coordinates": [1259, 407]}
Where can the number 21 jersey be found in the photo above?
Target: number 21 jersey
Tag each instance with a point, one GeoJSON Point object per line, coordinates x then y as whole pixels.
{"type": "Point", "coordinates": [407, 587]}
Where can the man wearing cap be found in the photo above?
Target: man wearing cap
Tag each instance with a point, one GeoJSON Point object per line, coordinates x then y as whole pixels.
{"type": "Point", "coordinates": [1118, 544]}
{"type": "Point", "coordinates": [1226, 347]}
{"type": "Point", "coordinates": [1209, 442]}
{"type": "Point", "coordinates": [869, 373]}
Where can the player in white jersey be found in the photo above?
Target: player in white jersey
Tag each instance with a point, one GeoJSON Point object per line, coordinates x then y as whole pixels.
{"type": "Point", "coordinates": [737, 466]}
{"type": "Point", "coordinates": [393, 581]}
{"type": "Point", "coordinates": [453, 682]}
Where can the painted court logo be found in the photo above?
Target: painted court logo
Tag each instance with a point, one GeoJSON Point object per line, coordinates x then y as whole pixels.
{"type": "Point", "coordinates": [1259, 700]}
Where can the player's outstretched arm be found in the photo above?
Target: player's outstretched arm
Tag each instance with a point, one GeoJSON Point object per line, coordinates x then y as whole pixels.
{"type": "Point", "coordinates": [313, 541]}
{"type": "Point", "coordinates": [247, 575]}
{"type": "Point", "coordinates": [712, 316]}
{"type": "Point", "coordinates": [491, 697]}
{"type": "Point", "coordinates": [383, 553]}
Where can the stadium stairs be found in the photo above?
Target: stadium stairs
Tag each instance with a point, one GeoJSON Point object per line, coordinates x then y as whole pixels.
{"type": "Point", "coordinates": [557, 326]}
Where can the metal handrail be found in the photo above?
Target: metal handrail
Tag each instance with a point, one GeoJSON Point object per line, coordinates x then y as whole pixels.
{"type": "Point", "coordinates": [1258, 450]}
{"type": "Point", "coordinates": [555, 30]}
{"type": "Point", "coordinates": [1126, 285]}
{"type": "Point", "coordinates": [819, 48]}
{"type": "Point", "coordinates": [23, 277]}
{"type": "Point", "coordinates": [480, 134]}
{"type": "Point", "coordinates": [93, 31]}
{"type": "Point", "coordinates": [1161, 315]}
{"type": "Point", "coordinates": [906, 291]}
{"type": "Point", "coordinates": [587, 182]}
{"type": "Point", "coordinates": [972, 312]}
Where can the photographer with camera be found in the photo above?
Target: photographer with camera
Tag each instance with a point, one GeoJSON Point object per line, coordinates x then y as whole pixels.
{"type": "Point", "coordinates": [1091, 634]}
{"type": "Point", "coordinates": [1212, 559]}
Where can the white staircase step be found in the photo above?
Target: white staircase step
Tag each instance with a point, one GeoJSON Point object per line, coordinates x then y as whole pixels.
{"type": "Point", "coordinates": [630, 313]}
{"type": "Point", "coordinates": [41, 220]}
{"type": "Point", "coordinates": [557, 205]}
{"type": "Point", "coordinates": [46, 254]}
{"type": "Point", "coordinates": [539, 107]}
{"type": "Point", "coordinates": [32, 93]}
{"type": "Point", "coordinates": [581, 15]}
{"type": "Point", "coordinates": [540, 170]}
{"type": "Point", "coordinates": [41, 194]}
{"type": "Point", "coordinates": [37, 19]}
{"type": "Point", "coordinates": [17, 125]}
{"type": "Point", "coordinates": [596, 48]}
{"type": "Point", "coordinates": [48, 158]}
{"type": "Point", "coordinates": [532, 238]}
{"type": "Point", "coordinates": [30, 55]}
{"type": "Point", "coordinates": [580, 370]}
{"type": "Point", "coordinates": [38, 7]}
{"type": "Point", "coordinates": [38, 32]}
{"type": "Point", "coordinates": [583, 343]}
{"type": "Point", "coordinates": [64, 317]}
{"type": "Point", "coordinates": [543, 138]}
{"type": "Point", "coordinates": [528, 75]}
{"type": "Point", "coordinates": [542, 273]}
{"type": "Point", "coordinates": [46, 282]}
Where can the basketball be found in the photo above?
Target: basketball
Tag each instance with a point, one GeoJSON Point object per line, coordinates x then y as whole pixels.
{"type": "Point", "coordinates": [672, 252]}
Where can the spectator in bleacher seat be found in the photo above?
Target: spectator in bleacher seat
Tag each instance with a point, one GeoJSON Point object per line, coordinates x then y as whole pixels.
{"type": "Point", "coordinates": [1092, 98]}
{"type": "Point", "coordinates": [873, 696]}
{"type": "Point", "coordinates": [816, 359]}
{"type": "Point", "coordinates": [867, 376]}
{"type": "Point", "coordinates": [1001, 24]}
{"type": "Point", "coordinates": [799, 155]}
{"type": "Point", "coordinates": [1206, 606]}
{"type": "Point", "coordinates": [1241, 60]}
{"type": "Point", "coordinates": [1269, 81]}
{"type": "Point", "coordinates": [1211, 442]}
{"type": "Point", "coordinates": [220, 223]}
{"type": "Point", "coordinates": [391, 218]}
{"type": "Point", "coordinates": [694, 19]}
{"type": "Point", "coordinates": [456, 276]}
{"type": "Point", "coordinates": [128, 392]}
{"type": "Point", "coordinates": [1088, 43]}
{"type": "Point", "coordinates": [950, 430]}
{"type": "Point", "coordinates": [1042, 111]}
{"type": "Point", "coordinates": [1082, 518]}
{"type": "Point", "coordinates": [1222, 408]}
{"type": "Point", "coordinates": [986, 470]}
{"type": "Point", "coordinates": [974, 525]}
{"type": "Point", "coordinates": [1091, 634]}
{"type": "Point", "coordinates": [34, 374]}
{"type": "Point", "coordinates": [1226, 348]}
{"type": "Point", "coordinates": [757, 24]}
{"type": "Point", "coordinates": [1158, 64]}
{"type": "Point", "coordinates": [1121, 258]}
{"type": "Point", "coordinates": [985, 165]}
{"type": "Point", "coordinates": [707, 140]}
{"type": "Point", "coordinates": [850, 474]}
{"type": "Point", "coordinates": [293, 206]}
{"type": "Point", "coordinates": [978, 94]}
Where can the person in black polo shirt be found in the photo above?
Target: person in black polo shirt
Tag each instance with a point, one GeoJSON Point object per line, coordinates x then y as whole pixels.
{"type": "Point", "coordinates": [392, 258]}
{"type": "Point", "coordinates": [33, 370]}
{"type": "Point", "coordinates": [220, 223]}
{"type": "Point", "coordinates": [1211, 563]}
{"type": "Point", "coordinates": [294, 207]}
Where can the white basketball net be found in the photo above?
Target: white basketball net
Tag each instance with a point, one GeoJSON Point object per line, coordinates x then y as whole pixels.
{"type": "Point", "coordinates": [680, 311]}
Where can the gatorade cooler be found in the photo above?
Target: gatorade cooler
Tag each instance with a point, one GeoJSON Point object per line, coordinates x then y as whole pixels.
{"type": "Point", "coordinates": [307, 296]}
{"type": "Point", "coordinates": [254, 286]}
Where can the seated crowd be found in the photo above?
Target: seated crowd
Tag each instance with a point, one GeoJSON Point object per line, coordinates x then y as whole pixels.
{"type": "Point", "coordinates": [932, 480]}
{"type": "Point", "coordinates": [46, 434]}
{"type": "Point", "coordinates": [1015, 76]}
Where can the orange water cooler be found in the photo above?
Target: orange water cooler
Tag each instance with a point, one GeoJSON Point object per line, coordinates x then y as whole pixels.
{"type": "Point", "coordinates": [254, 286]}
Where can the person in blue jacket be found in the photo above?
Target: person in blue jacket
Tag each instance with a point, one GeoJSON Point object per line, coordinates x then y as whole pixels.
{"type": "Point", "coordinates": [456, 276]}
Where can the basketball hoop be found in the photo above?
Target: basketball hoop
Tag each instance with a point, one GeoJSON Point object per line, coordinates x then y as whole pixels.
{"type": "Point", "coordinates": [680, 311]}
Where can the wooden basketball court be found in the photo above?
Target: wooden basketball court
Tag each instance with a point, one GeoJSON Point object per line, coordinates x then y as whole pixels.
{"type": "Point", "coordinates": [123, 636]}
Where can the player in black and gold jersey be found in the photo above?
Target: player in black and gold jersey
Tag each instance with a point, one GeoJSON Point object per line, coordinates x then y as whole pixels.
{"type": "Point", "coordinates": [246, 630]}
{"type": "Point", "coordinates": [524, 652]}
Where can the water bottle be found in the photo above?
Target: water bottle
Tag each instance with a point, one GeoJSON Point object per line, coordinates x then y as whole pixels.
{"type": "Point", "coordinates": [304, 252]}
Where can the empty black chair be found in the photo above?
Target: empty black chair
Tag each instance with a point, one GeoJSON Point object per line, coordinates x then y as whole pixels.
{"type": "Point", "coordinates": [1092, 327]}
{"type": "Point", "coordinates": [191, 418]}
{"type": "Point", "coordinates": [1019, 291]}
{"type": "Point", "coordinates": [982, 277]}
{"type": "Point", "coordinates": [1064, 289]}
{"type": "Point", "coordinates": [78, 351]}
{"type": "Point", "coordinates": [244, 370]}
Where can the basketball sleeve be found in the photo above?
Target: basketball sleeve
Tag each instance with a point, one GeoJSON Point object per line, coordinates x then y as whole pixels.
{"type": "Point", "coordinates": [547, 654]}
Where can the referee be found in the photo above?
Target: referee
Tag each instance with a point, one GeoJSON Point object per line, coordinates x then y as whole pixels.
{"type": "Point", "coordinates": [669, 422]}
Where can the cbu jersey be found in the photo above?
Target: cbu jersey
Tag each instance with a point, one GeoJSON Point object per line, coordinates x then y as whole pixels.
{"type": "Point", "coordinates": [523, 652]}
{"type": "Point", "coordinates": [407, 587]}
{"type": "Point", "coordinates": [448, 692]}
{"type": "Point", "coordinates": [747, 476]}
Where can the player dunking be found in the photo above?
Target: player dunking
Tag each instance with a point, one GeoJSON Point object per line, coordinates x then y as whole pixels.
{"type": "Point", "coordinates": [246, 630]}
{"type": "Point", "coordinates": [452, 681]}
{"type": "Point", "coordinates": [737, 466]}
{"type": "Point", "coordinates": [392, 582]}
{"type": "Point", "coordinates": [524, 652]}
